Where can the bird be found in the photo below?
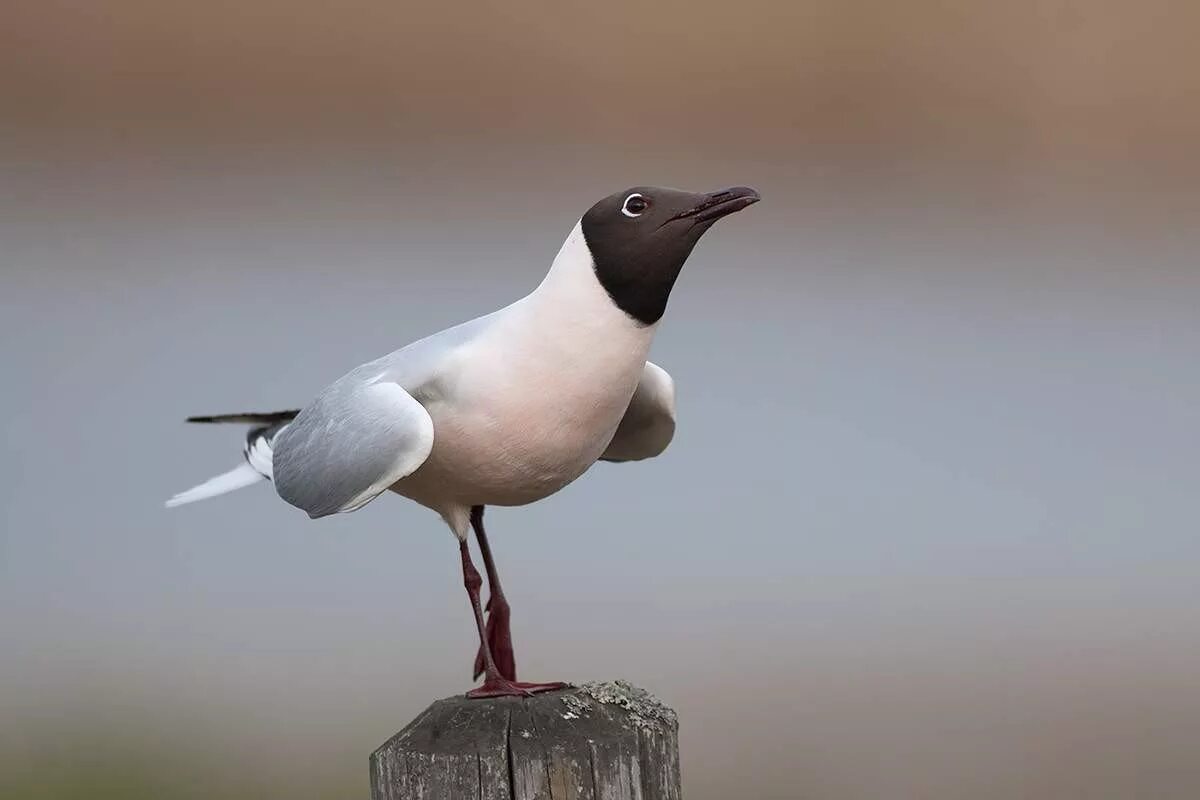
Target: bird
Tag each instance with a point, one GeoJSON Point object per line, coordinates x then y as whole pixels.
{"type": "Point", "coordinates": [505, 409]}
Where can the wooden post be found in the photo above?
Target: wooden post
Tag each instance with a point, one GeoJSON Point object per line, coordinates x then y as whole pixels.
{"type": "Point", "coordinates": [599, 741]}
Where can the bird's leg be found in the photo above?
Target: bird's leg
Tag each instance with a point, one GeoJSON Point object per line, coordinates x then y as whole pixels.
{"type": "Point", "coordinates": [494, 684]}
{"type": "Point", "coordinates": [499, 632]}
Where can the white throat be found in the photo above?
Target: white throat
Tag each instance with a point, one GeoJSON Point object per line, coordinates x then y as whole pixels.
{"type": "Point", "coordinates": [572, 297]}
{"type": "Point", "coordinates": [572, 265]}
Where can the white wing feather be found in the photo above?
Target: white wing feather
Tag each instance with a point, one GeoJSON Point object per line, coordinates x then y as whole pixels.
{"type": "Point", "coordinates": [649, 423]}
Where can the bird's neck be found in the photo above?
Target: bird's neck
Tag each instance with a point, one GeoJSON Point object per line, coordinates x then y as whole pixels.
{"type": "Point", "coordinates": [570, 313]}
{"type": "Point", "coordinates": [572, 292]}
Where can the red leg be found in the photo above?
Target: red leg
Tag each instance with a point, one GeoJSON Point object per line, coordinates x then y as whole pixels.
{"type": "Point", "coordinates": [495, 682]}
{"type": "Point", "coordinates": [499, 614]}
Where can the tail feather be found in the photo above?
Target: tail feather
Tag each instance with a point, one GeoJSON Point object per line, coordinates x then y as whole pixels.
{"type": "Point", "coordinates": [256, 451]}
{"type": "Point", "coordinates": [240, 476]}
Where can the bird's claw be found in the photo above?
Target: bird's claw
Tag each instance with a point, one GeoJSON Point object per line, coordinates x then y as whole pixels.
{"type": "Point", "coordinates": [502, 687]}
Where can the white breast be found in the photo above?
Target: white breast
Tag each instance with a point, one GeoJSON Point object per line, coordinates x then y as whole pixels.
{"type": "Point", "coordinates": [532, 403]}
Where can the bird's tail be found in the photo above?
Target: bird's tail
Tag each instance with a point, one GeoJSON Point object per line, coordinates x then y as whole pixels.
{"type": "Point", "coordinates": [256, 451]}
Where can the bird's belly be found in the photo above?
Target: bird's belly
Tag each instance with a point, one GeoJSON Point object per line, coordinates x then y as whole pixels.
{"type": "Point", "coordinates": [520, 414]}
{"type": "Point", "coordinates": [500, 475]}
{"type": "Point", "coordinates": [512, 452]}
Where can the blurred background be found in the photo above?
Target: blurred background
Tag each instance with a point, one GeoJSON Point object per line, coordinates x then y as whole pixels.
{"type": "Point", "coordinates": [928, 526]}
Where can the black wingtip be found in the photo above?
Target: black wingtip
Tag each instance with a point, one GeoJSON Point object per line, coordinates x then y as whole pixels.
{"type": "Point", "coordinates": [250, 417]}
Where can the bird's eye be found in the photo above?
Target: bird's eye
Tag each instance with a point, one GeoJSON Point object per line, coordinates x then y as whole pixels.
{"type": "Point", "coordinates": [635, 205]}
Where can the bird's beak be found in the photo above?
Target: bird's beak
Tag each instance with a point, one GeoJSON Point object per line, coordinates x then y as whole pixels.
{"type": "Point", "coordinates": [720, 204]}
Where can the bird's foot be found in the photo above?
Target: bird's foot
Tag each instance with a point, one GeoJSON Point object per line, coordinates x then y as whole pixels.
{"type": "Point", "coordinates": [502, 687]}
{"type": "Point", "coordinates": [538, 688]}
{"type": "Point", "coordinates": [499, 637]}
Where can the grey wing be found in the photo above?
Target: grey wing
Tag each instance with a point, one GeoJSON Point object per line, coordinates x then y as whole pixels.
{"type": "Point", "coordinates": [649, 422]}
{"type": "Point", "coordinates": [352, 443]}
{"type": "Point", "coordinates": [367, 430]}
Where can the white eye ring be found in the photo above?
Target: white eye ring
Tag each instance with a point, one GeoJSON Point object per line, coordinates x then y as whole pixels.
{"type": "Point", "coordinates": [625, 206]}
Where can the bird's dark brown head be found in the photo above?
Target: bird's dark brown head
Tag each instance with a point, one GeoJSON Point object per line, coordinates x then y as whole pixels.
{"type": "Point", "coordinates": [640, 237]}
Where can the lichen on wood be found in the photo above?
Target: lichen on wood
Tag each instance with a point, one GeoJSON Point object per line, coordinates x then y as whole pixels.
{"type": "Point", "coordinates": [645, 711]}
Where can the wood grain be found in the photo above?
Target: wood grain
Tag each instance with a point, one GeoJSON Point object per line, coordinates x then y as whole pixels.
{"type": "Point", "coordinates": [606, 741]}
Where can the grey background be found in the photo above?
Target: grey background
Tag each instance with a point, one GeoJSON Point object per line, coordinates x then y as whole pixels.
{"type": "Point", "coordinates": [927, 528]}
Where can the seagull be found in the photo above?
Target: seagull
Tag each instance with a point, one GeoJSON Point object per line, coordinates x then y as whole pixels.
{"type": "Point", "coordinates": [505, 409]}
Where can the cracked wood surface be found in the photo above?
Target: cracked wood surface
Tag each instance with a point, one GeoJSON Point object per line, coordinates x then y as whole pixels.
{"type": "Point", "coordinates": [564, 745]}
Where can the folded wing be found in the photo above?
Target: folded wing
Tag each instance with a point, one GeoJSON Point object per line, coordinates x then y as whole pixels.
{"type": "Point", "coordinates": [649, 422]}
{"type": "Point", "coordinates": [351, 444]}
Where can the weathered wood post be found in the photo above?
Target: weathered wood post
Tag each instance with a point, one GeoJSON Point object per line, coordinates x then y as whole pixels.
{"type": "Point", "coordinates": [599, 741]}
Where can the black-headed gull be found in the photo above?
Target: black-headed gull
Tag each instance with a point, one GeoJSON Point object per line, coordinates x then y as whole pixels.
{"type": "Point", "coordinates": [505, 409]}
